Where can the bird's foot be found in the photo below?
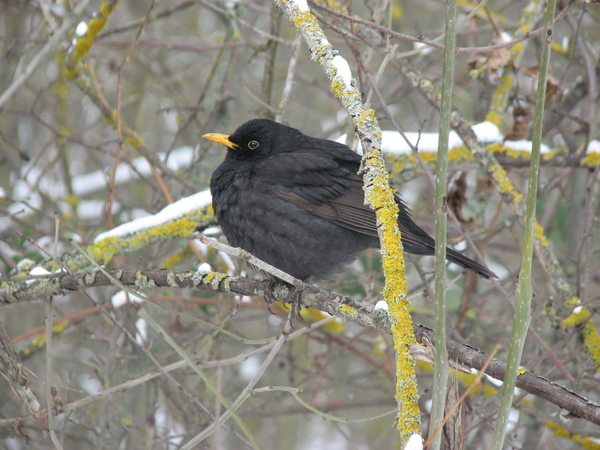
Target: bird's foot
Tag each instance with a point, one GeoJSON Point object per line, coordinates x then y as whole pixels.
{"type": "Point", "coordinates": [269, 296]}
{"type": "Point", "coordinates": [293, 299]}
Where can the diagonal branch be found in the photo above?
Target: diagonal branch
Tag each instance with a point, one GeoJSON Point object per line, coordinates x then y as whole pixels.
{"type": "Point", "coordinates": [330, 302]}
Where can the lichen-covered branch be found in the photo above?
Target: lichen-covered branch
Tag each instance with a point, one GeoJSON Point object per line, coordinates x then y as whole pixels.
{"type": "Point", "coordinates": [381, 198]}
{"type": "Point", "coordinates": [330, 302]}
{"type": "Point", "coordinates": [18, 379]}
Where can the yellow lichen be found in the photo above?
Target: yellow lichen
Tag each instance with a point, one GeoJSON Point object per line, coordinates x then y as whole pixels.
{"type": "Point", "coordinates": [60, 327]}
{"type": "Point", "coordinates": [382, 200]}
{"type": "Point", "coordinates": [366, 117]}
{"type": "Point", "coordinates": [506, 186]}
{"type": "Point", "coordinates": [84, 43]}
{"type": "Point", "coordinates": [106, 8]}
{"type": "Point", "coordinates": [397, 11]}
{"type": "Point", "coordinates": [538, 234]}
{"type": "Point", "coordinates": [592, 160]}
{"type": "Point", "coordinates": [499, 100]}
{"type": "Point", "coordinates": [494, 117]}
{"type": "Point", "coordinates": [337, 88]}
{"type": "Point", "coordinates": [40, 340]}
{"type": "Point", "coordinates": [346, 309]}
{"type": "Point", "coordinates": [127, 421]}
{"type": "Point", "coordinates": [173, 260]}
{"type": "Point", "coordinates": [557, 430]}
{"type": "Point", "coordinates": [72, 200]}
{"type": "Point", "coordinates": [209, 277]}
{"type": "Point", "coordinates": [571, 302]}
{"type": "Point", "coordinates": [591, 340]}
{"type": "Point", "coordinates": [95, 25]}
{"type": "Point", "coordinates": [458, 154]}
{"type": "Point", "coordinates": [561, 432]}
{"type": "Point", "coordinates": [589, 333]}
{"type": "Point", "coordinates": [305, 20]}
{"type": "Point", "coordinates": [133, 140]}
{"type": "Point", "coordinates": [82, 47]}
{"type": "Point", "coordinates": [576, 317]}
{"type": "Point", "coordinates": [380, 347]}
{"type": "Point", "coordinates": [515, 154]}
{"type": "Point", "coordinates": [314, 315]}
{"type": "Point", "coordinates": [104, 250]}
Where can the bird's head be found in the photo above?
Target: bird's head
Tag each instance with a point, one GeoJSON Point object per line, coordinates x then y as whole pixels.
{"type": "Point", "coordinates": [257, 139]}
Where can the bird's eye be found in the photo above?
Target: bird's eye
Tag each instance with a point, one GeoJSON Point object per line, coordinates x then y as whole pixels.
{"type": "Point", "coordinates": [252, 145]}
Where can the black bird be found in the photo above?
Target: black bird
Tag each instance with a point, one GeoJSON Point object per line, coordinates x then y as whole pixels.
{"type": "Point", "coordinates": [297, 203]}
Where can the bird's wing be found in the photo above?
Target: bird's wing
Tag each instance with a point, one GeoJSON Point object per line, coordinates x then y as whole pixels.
{"type": "Point", "coordinates": [315, 178]}
{"type": "Point", "coordinates": [350, 211]}
{"type": "Point", "coordinates": [347, 210]}
{"type": "Point", "coordinates": [323, 186]}
{"type": "Point", "coordinates": [328, 187]}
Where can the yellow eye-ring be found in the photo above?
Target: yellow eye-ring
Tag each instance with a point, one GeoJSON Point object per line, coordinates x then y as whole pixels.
{"type": "Point", "coordinates": [252, 145]}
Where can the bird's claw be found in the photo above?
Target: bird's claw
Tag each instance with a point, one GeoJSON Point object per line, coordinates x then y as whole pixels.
{"type": "Point", "coordinates": [269, 297]}
{"type": "Point", "coordinates": [293, 299]}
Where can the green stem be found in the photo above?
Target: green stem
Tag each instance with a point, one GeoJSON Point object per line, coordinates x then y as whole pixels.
{"type": "Point", "coordinates": [440, 372]}
{"type": "Point", "coordinates": [524, 292]}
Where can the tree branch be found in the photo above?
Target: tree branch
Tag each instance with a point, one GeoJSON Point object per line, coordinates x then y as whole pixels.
{"type": "Point", "coordinates": [330, 302]}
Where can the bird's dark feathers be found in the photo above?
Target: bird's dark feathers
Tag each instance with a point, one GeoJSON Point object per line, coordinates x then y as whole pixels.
{"type": "Point", "coordinates": [297, 203]}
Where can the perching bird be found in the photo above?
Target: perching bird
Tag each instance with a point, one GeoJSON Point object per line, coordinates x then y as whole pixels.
{"type": "Point", "coordinates": [297, 203]}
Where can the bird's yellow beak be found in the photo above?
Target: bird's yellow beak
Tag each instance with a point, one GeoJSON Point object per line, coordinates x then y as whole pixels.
{"type": "Point", "coordinates": [221, 139]}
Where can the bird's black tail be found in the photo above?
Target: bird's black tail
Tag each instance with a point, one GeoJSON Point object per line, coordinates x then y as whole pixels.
{"type": "Point", "coordinates": [416, 241]}
{"type": "Point", "coordinates": [469, 264]}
